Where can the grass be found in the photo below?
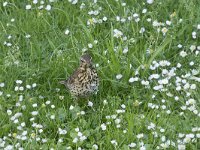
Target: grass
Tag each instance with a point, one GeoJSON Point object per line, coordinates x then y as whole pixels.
{"type": "Point", "coordinates": [125, 115]}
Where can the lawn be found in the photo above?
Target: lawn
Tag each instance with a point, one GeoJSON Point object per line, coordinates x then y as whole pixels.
{"type": "Point", "coordinates": [147, 55]}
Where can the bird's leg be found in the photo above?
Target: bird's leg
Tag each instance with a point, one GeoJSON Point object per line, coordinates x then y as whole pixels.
{"type": "Point", "coordinates": [75, 100]}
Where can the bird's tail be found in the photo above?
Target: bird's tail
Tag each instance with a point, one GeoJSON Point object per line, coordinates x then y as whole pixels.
{"type": "Point", "coordinates": [63, 82]}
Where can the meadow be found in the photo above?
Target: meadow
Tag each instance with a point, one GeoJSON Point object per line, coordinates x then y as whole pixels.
{"type": "Point", "coordinates": [146, 52]}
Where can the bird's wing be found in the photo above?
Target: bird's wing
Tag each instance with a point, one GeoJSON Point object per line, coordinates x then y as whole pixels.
{"type": "Point", "coordinates": [75, 75]}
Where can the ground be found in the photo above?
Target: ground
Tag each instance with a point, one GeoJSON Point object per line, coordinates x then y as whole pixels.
{"type": "Point", "coordinates": [146, 52]}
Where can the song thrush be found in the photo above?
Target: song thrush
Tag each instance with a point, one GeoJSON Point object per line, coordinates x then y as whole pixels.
{"type": "Point", "coordinates": [84, 81]}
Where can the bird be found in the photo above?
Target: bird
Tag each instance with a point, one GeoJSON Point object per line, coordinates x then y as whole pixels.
{"type": "Point", "coordinates": [84, 81]}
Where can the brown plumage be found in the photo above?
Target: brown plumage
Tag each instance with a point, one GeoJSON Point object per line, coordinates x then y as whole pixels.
{"type": "Point", "coordinates": [84, 81]}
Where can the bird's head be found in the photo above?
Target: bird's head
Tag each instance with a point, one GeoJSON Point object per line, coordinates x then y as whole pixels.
{"type": "Point", "coordinates": [86, 59]}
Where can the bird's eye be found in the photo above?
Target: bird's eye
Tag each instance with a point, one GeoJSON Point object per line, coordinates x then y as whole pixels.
{"type": "Point", "coordinates": [82, 60]}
